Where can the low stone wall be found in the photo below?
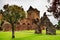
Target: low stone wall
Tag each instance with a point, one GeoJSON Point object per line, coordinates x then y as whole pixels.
{"type": "Point", "coordinates": [18, 27]}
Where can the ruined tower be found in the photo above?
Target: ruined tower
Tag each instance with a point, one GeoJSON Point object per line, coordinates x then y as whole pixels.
{"type": "Point", "coordinates": [33, 13]}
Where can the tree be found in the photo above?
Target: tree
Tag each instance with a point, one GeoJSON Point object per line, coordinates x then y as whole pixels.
{"type": "Point", "coordinates": [12, 14]}
{"type": "Point", "coordinates": [55, 9]}
{"type": "Point", "coordinates": [58, 26]}
{"type": "Point", "coordinates": [59, 23]}
{"type": "Point", "coordinates": [1, 20]}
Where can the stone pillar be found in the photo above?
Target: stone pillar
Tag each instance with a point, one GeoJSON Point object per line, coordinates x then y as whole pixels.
{"type": "Point", "coordinates": [38, 30]}
{"type": "Point", "coordinates": [50, 30]}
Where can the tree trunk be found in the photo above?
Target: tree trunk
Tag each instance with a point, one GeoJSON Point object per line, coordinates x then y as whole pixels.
{"type": "Point", "coordinates": [13, 36]}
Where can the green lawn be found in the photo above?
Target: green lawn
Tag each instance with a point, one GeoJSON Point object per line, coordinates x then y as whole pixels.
{"type": "Point", "coordinates": [29, 35]}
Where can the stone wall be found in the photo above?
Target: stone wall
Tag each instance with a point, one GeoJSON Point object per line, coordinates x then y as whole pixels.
{"type": "Point", "coordinates": [7, 26]}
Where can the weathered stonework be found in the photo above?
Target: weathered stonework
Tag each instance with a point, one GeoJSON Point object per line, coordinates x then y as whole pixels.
{"type": "Point", "coordinates": [50, 29]}
{"type": "Point", "coordinates": [25, 24]}
{"type": "Point", "coordinates": [33, 13]}
{"type": "Point", "coordinates": [7, 26]}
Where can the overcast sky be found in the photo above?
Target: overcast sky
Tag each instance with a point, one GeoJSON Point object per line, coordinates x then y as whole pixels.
{"type": "Point", "coordinates": [39, 4]}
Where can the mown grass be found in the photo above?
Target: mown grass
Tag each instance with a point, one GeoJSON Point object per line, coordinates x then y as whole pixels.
{"type": "Point", "coordinates": [29, 35]}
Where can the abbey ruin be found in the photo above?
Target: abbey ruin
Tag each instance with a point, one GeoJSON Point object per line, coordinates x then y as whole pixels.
{"type": "Point", "coordinates": [31, 22]}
